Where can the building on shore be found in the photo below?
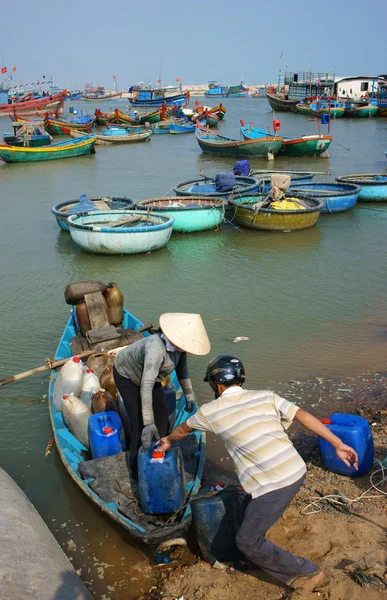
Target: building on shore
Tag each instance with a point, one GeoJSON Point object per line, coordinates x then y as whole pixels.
{"type": "Point", "coordinates": [352, 87]}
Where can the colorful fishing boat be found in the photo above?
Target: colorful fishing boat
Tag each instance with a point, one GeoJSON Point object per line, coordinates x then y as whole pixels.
{"type": "Point", "coordinates": [68, 149]}
{"type": "Point", "coordinates": [120, 231]}
{"type": "Point", "coordinates": [178, 126]}
{"type": "Point", "coordinates": [119, 118]}
{"type": "Point", "coordinates": [373, 185]}
{"type": "Point", "coordinates": [113, 136]}
{"type": "Point", "coordinates": [253, 133]}
{"type": "Point", "coordinates": [237, 91]}
{"type": "Point", "coordinates": [26, 134]}
{"type": "Point", "coordinates": [333, 108]}
{"type": "Point", "coordinates": [55, 124]}
{"type": "Point", "coordinates": [219, 145]}
{"type": "Point", "coordinates": [64, 210]}
{"type": "Point", "coordinates": [161, 540]}
{"type": "Point", "coordinates": [219, 111]}
{"type": "Point", "coordinates": [306, 145]}
{"type": "Point", "coordinates": [361, 111]}
{"type": "Point", "coordinates": [206, 119]}
{"type": "Point", "coordinates": [215, 90]}
{"type": "Point", "coordinates": [258, 94]}
{"type": "Point", "coordinates": [192, 214]}
{"type": "Point", "coordinates": [280, 102]}
{"type": "Point", "coordinates": [335, 197]}
{"type": "Point", "coordinates": [102, 97]}
{"type": "Point", "coordinates": [249, 212]}
{"type": "Point", "coordinates": [206, 186]}
{"type": "Point", "coordinates": [157, 97]}
{"type": "Point", "coordinates": [47, 103]}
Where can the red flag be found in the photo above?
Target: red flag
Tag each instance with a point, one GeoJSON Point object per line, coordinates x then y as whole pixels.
{"type": "Point", "coordinates": [14, 69]}
{"type": "Point", "coordinates": [177, 78]}
{"type": "Point", "coordinates": [3, 70]}
{"type": "Point", "coordinates": [281, 55]}
{"type": "Point", "coordinates": [114, 77]}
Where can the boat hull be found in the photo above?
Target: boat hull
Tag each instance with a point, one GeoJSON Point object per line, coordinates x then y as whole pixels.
{"type": "Point", "coordinates": [334, 196]}
{"type": "Point", "coordinates": [281, 104]}
{"type": "Point", "coordinates": [307, 146]}
{"type": "Point", "coordinates": [61, 209]}
{"type": "Point", "coordinates": [372, 190]}
{"type": "Point", "coordinates": [48, 103]}
{"type": "Point", "coordinates": [270, 219]}
{"type": "Point", "coordinates": [333, 112]}
{"type": "Point", "coordinates": [88, 232]}
{"type": "Point", "coordinates": [244, 185]}
{"type": "Point", "coordinates": [177, 100]}
{"type": "Point", "coordinates": [110, 98]}
{"type": "Point", "coordinates": [55, 126]}
{"type": "Point", "coordinates": [361, 112]}
{"type": "Point", "coordinates": [70, 149]}
{"type": "Point", "coordinates": [207, 214]}
{"type": "Point", "coordinates": [218, 146]}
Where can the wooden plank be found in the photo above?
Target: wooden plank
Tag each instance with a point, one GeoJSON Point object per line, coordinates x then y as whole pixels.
{"type": "Point", "coordinates": [126, 221]}
{"type": "Point", "coordinates": [95, 336]}
{"type": "Point", "coordinates": [101, 204]}
{"type": "Point", "coordinates": [96, 308]}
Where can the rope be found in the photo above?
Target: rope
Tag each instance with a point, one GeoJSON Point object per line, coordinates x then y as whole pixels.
{"type": "Point", "coordinates": [132, 499]}
{"type": "Point", "coordinates": [341, 500]}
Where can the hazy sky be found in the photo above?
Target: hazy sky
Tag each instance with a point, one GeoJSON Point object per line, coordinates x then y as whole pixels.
{"type": "Point", "coordinates": [86, 40]}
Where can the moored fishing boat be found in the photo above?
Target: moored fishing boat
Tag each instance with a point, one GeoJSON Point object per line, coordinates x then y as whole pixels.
{"type": "Point", "coordinates": [113, 136]}
{"type": "Point", "coordinates": [64, 210]}
{"type": "Point", "coordinates": [68, 149]}
{"type": "Point", "coordinates": [336, 197]}
{"type": "Point", "coordinates": [54, 124]}
{"type": "Point", "coordinates": [332, 108]}
{"type": "Point", "coordinates": [280, 102]}
{"type": "Point", "coordinates": [25, 133]}
{"type": "Point", "coordinates": [194, 213]}
{"type": "Point", "coordinates": [111, 488]}
{"type": "Point", "coordinates": [276, 142]}
{"type": "Point", "coordinates": [206, 118]}
{"type": "Point", "coordinates": [119, 118]}
{"type": "Point", "coordinates": [177, 126]}
{"type": "Point", "coordinates": [306, 145]}
{"type": "Point", "coordinates": [218, 145]}
{"type": "Point", "coordinates": [373, 185]}
{"type": "Point", "coordinates": [120, 232]}
{"type": "Point", "coordinates": [102, 97]}
{"type": "Point", "coordinates": [206, 186]}
{"type": "Point", "coordinates": [249, 212]}
{"type": "Point", "coordinates": [156, 97]}
{"type": "Point", "coordinates": [47, 103]}
{"type": "Point", "coordinates": [219, 111]}
{"type": "Point", "coordinates": [361, 111]}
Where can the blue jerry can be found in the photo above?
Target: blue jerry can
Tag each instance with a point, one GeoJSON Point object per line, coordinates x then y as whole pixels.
{"type": "Point", "coordinates": [161, 480]}
{"type": "Point", "coordinates": [354, 431]}
{"type": "Point", "coordinates": [106, 434]}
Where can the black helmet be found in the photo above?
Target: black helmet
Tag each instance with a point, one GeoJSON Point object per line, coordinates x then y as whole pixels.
{"type": "Point", "coordinates": [225, 369]}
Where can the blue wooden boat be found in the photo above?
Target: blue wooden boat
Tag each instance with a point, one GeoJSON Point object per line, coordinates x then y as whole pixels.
{"type": "Point", "coordinates": [335, 197]}
{"type": "Point", "coordinates": [194, 213]}
{"type": "Point", "coordinates": [205, 186]}
{"type": "Point", "coordinates": [64, 210]}
{"type": "Point", "coordinates": [68, 149]}
{"type": "Point", "coordinates": [161, 539]}
{"type": "Point", "coordinates": [373, 185]}
{"type": "Point", "coordinates": [156, 97]}
{"type": "Point", "coordinates": [215, 90]}
{"type": "Point", "coordinates": [181, 126]}
{"type": "Point", "coordinates": [120, 231]}
{"type": "Point", "coordinates": [219, 145]}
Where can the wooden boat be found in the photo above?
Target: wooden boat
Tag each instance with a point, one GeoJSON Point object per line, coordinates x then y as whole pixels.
{"type": "Point", "coordinates": [194, 213]}
{"type": "Point", "coordinates": [26, 134]}
{"type": "Point", "coordinates": [160, 538]}
{"type": "Point", "coordinates": [205, 187]}
{"type": "Point", "coordinates": [361, 111]}
{"type": "Point", "coordinates": [120, 231]}
{"type": "Point", "coordinates": [47, 103]}
{"type": "Point", "coordinates": [219, 111]}
{"type": "Point", "coordinates": [180, 126]}
{"type": "Point", "coordinates": [373, 185]}
{"type": "Point", "coordinates": [336, 197]}
{"type": "Point", "coordinates": [306, 145]}
{"type": "Point", "coordinates": [55, 124]}
{"type": "Point", "coordinates": [62, 209]}
{"type": "Point", "coordinates": [237, 91]}
{"type": "Point", "coordinates": [219, 145]}
{"type": "Point", "coordinates": [68, 149]}
{"type": "Point", "coordinates": [102, 97]}
{"type": "Point", "coordinates": [248, 214]}
{"type": "Point", "coordinates": [156, 97]}
{"type": "Point", "coordinates": [280, 103]}
{"type": "Point", "coordinates": [109, 138]}
{"type": "Point", "coordinates": [258, 95]}
{"type": "Point", "coordinates": [119, 118]}
{"type": "Point", "coordinates": [206, 118]}
{"type": "Point", "coordinates": [334, 109]}
{"type": "Point", "coordinates": [215, 90]}
{"type": "Point", "coordinates": [253, 133]}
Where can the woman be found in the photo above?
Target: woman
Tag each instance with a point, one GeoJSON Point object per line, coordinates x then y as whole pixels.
{"type": "Point", "coordinates": [140, 368]}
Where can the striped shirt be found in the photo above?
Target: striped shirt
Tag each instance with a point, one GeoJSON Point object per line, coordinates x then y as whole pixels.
{"type": "Point", "coordinates": [252, 425]}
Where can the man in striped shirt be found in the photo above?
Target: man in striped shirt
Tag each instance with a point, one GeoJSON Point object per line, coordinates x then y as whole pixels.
{"type": "Point", "coordinates": [252, 425]}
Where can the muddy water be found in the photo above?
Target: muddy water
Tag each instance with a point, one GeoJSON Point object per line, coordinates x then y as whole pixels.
{"type": "Point", "coordinates": [312, 303]}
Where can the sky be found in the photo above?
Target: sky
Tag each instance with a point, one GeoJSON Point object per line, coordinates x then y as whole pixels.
{"type": "Point", "coordinates": [82, 40]}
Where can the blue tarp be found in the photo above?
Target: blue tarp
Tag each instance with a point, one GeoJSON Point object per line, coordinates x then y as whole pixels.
{"type": "Point", "coordinates": [224, 182]}
{"type": "Point", "coordinates": [242, 168]}
{"type": "Point", "coordinates": [83, 205]}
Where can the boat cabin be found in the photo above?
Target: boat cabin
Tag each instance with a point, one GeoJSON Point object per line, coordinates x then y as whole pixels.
{"type": "Point", "coordinates": [302, 85]}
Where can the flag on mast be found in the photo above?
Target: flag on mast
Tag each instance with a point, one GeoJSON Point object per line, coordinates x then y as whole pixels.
{"type": "Point", "coordinates": [3, 70]}
{"type": "Point", "coordinates": [281, 55]}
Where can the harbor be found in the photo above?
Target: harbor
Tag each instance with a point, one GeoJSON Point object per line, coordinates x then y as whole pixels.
{"type": "Point", "coordinates": [304, 309]}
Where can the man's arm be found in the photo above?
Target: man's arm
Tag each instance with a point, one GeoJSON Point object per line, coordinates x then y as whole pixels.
{"type": "Point", "coordinates": [344, 452]}
{"type": "Point", "coordinates": [179, 433]}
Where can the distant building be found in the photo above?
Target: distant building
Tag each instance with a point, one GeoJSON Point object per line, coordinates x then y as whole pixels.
{"type": "Point", "coordinates": [350, 87]}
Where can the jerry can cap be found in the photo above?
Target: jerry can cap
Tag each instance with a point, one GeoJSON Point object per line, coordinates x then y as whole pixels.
{"type": "Point", "coordinates": [326, 421]}
{"type": "Point", "coordinates": [76, 359]}
{"type": "Point", "coordinates": [107, 429]}
{"type": "Point", "coordinates": [158, 454]}
{"type": "Point", "coordinates": [65, 396]}
{"type": "Point", "coordinates": [89, 371]}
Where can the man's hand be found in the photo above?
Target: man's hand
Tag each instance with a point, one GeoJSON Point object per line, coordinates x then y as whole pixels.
{"type": "Point", "coordinates": [347, 455]}
{"type": "Point", "coordinates": [147, 435]}
{"type": "Point", "coordinates": [164, 444]}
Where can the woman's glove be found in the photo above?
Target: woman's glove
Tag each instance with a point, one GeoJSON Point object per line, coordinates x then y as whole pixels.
{"type": "Point", "coordinates": [147, 435]}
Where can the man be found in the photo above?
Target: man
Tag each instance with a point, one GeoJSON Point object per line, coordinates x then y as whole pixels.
{"type": "Point", "coordinates": [252, 425]}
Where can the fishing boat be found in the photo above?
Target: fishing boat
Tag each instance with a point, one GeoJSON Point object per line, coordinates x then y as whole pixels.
{"type": "Point", "coordinates": [306, 145]}
{"type": "Point", "coordinates": [279, 102]}
{"type": "Point", "coordinates": [120, 231]}
{"type": "Point", "coordinates": [194, 213]}
{"type": "Point", "coordinates": [335, 197]}
{"type": "Point", "coordinates": [64, 210]}
{"type": "Point", "coordinates": [55, 124]}
{"type": "Point", "coordinates": [178, 126]}
{"type": "Point", "coordinates": [249, 212]}
{"type": "Point", "coordinates": [31, 135]}
{"type": "Point", "coordinates": [161, 538]}
{"type": "Point", "coordinates": [206, 118]}
{"type": "Point", "coordinates": [102, 97]}
{"type": "Point", "coordinates": [28, 107]}
{"type": "Point", "coordinates": [258, 94]}
{"type": "Point", "coordinates": [156, 97]}
{"type": "Point", "coordinates": [215, 90]}
{"type": "Point", "coordinates": [333, 108]}
{"type": "Point", "coordinates": [253, 133]}
{"type": "Point", "coordinates": [219, 111]}
{"type": "Point", "coordinates": [206, 186]}
{"type": "Point", "coordinates": [373, 185]}
{"type": "Point", "coordinates": [68, 149]}
{"type": "Point", "coordinates": [237, 91]}
{"type": "Point", "coordinates": [361, 111]}
{"type": "Point", "coordinates": [119, 118]}
{"type": "Point", "coordinates": [219, 145]}
{"type": "Point", "coordinates": [112, 136]}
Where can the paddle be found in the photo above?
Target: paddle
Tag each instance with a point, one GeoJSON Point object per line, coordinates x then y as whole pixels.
{"type": "Point", "coordinates": [53, 364]}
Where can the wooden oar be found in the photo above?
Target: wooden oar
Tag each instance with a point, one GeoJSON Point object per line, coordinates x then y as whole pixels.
{"type": "Point", "coordinates": [53, 364]}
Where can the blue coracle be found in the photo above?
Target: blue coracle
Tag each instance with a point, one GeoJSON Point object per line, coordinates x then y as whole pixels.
{"type": "Point", "coordinates": [106, 434]}
{"type": "Point", "coordinates": [161, 481]}
{"type": "Point", "coordinates": [354, 431]}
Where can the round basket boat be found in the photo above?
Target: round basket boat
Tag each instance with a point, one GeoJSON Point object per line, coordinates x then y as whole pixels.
{"type": "Point", "coordinates": [373, 185]}
{"type": "Point", "coordinates": [120, 231]}
{"type": "Point", "coordinates": [335, 197]}
{"type": "Point", "coordinates": [247, 214]}
{"type": "Point", "coordinates": [62, 210]}
{"type": "Point", "coordinates": [205, 186]}
{"type": "Point", "coordinates": [194, 213]}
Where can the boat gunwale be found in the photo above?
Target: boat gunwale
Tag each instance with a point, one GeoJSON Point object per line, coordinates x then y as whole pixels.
{"type": "Point", "coordinates": [79, 142]}
{"type": "Point", "coordinates": [310, 193]}
{"type": "Point", "coordinates": [208, 203]}
{"type": "Point", "coordinates": [250, 207]}
{"type": "Point", "coordinates": [178, 189]}
{"type": "Point", "coordinates": [168, 223]}
{"type": "Point", "coordinates": [362, 179]}
{"type": "Point", "coordinates": [59, 213]}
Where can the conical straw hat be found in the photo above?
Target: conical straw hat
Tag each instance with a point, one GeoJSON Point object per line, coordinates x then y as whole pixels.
{"type": "Point", "coordinates": [186, 331]}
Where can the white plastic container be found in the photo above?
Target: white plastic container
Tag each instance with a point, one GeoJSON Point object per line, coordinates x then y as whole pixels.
{"type": "Point", "coordinates": [76, 416]}
{"type": "Point", "coordinates": [70, 381]}
{"type": "Point", "coordinates": [89, 387]}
